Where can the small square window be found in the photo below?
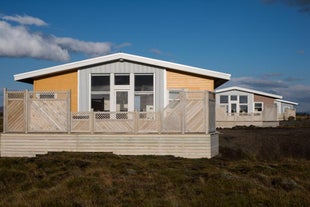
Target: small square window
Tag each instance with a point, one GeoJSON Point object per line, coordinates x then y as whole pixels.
{"type": "Point", "coordinates": [258, 107]}
{"type": "Point", "coordinates": [233, 98]}
{"type": "Point", "coordinates": [100, 82]}
{"type": "Point", "coordinates": [243, 108]}
{"type": "Point", "coordinates": [223, 99]}
{"type": "Point", "coordinates": [121, 79]}
{"type": "Point", "coordinates": [243, 99]}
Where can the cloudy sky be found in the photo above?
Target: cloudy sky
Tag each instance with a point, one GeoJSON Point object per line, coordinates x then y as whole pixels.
{"type": "Point", "coordinates": [263, 44]}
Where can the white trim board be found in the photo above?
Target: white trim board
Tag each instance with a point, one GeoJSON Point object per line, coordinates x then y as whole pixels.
{"type": "Point", "coordinates": [24, 77]}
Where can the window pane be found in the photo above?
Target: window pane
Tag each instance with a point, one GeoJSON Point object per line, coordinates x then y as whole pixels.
{"type": "Point", "coordinates": [144, 102]}
{"type": "Point", "coordinates": [233, 98]}
{"type": "Point", "coordinates": [100, 102]}
{"type": "Point", "coordinates": [258, 107]}
{"type": "Point", "coordinates": [144, 83]}
{"type": "Point", "coordinates": [121, 101]}
{"type": "Point", "coordinates": [243, 99]}
{"type": "Point", "coordinates": [223, 99]}
{"type": "Point", "coordinates": [121, 79]}
{"type": "Point", "coordinates": [243, 108]}
{"type": "Point", "coordinates": [174, 95]}
{"type": "Point", "coordinates": [233, 108]}
{"type": "Point", "coordinates": [100, 83]}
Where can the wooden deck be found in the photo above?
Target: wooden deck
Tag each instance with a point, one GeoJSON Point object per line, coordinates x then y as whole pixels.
{"type": "Point", "coordinates": [187, 146]}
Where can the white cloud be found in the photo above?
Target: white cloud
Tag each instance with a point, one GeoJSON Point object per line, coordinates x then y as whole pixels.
{"type": "Point", "coordinates": [17, 41]}
{"type": "Point", "coordinates": [91, 48]}
{"type": "Point", "coordinates": [20, 41]}
{"type": "Point", "coordinates": [25, 20]}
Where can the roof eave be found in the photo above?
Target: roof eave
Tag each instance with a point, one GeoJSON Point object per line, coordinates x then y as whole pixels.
{"type": "Point", "coordinates": [220, 77]}
{"type": "Point", "coordinates": [249, 91]}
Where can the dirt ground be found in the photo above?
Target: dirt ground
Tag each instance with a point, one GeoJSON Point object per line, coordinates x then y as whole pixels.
{"type": "Point", "coordinates": [290, 140]}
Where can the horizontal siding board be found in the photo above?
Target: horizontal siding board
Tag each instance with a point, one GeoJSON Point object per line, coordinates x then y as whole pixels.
{"type": "Point", "coordinates": [190, 146]}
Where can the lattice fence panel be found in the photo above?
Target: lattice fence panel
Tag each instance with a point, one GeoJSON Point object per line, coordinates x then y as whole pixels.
{"type": "Point", "coordinates": [114, 122]}
{"type": "Point", "coordinates": [172, 122]}
{"type": "Point", "coordinates": [47, 116]}
{"type": "Point", "coordinates": [194, 116]}
{"type": "Point", "coordinates": [15, 115]}
{"type": "Point", "coordinates": [81, 122]}
{"type": "Point", "coordinates": [148, 122]}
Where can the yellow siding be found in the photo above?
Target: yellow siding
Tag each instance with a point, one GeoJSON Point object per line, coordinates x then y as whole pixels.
{"type": "Point", "coordinates": [176, 80]}
{"type": "Point", "coordinates": [59, 82]}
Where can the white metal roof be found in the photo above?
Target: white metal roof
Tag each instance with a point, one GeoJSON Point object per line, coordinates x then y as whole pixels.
{"type": "Point", "coordinates": [288, 102]}
{"type": "Point", "coordinates": [29, 76]}
{"type": "Point", "coordinates": [249, 91]}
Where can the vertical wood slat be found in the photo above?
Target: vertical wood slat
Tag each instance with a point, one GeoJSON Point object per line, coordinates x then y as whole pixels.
{"type": "Point", "coordinates": [26, 117]}
{"type": "Point", "coordinates": [205, 111]}
{"type": "Point", "coordinates": [5, 99]}
{"type": "Point", "coordinates": [69, 111]}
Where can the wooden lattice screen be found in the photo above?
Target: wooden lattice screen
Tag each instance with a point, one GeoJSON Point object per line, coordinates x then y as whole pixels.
{"type": "Point", "coordinates": [36, 111]}
{"type": "Point", "coordinates": [191, 112]}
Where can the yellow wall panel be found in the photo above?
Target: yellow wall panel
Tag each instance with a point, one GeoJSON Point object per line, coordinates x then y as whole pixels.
{"type": "Point", "coordinates": [181, 80]}
{"type": "Point", "coordinates": [59, 82]}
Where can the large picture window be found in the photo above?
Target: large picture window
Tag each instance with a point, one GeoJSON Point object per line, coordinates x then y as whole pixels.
{"type": "Point", "coordinates": [144, 92]}
{"type": "Point", "coordinates": [100, 92]}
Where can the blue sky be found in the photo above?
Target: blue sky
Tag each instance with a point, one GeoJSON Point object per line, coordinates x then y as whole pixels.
{"type": "Point", "coordinates": [263, 44]}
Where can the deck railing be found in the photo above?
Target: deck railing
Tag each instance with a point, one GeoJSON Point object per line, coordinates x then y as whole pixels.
{"type": "Point", "coordinates": [49, 112]}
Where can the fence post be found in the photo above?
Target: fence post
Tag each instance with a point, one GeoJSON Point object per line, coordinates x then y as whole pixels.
{"type": "Point", "coordinates": [207, 112]}
{"type": "Point", "coordinates": [26, 113]}
{"type": "Point", "coordinates": [183, 105]}
{"type": "Point", "coordinates": [4, 109]}
{"type": "Point", "coordinates": [69, 111]}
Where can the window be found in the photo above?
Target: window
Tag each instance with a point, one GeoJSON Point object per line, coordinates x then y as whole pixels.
{"type": "Point", "coordinates": [258, 107]}
{"type": "Point", "coordinates": [121, 79]}
{"type": "Point", "coordinates": [223, 99]}
{"type": "Point", "coordinates": [100, 83]}
{"type": "Point", "coordinates": [233, 98]}
{"type": "Point", "coordinates": [144, 92]}
{"type": "Point", "coordinates": [174, 98]}
{"type": "Point", "coordinates": [243, 108]}
{"type": "Point", "coordinates": [100, 102]}
{"type": "Point", "coordinates": [144, 83]}
{"type": "Point", "coordinates": [100, 92]}
{"type": "Point", "coordinates": [243, 99]}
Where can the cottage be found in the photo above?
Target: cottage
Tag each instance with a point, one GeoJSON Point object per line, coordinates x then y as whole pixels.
{"type": "Point", "coordinates": [286, 109]}
{"type": "Point", "coordinates": [244, 107]}
{"type": "Point", "coordinates": [120, 103]}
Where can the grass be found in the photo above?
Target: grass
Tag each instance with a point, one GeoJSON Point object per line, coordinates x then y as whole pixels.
{"type": "Point", "coordinates": [101, 179]}
{"type": "Point", "coordinates": [256, 167]}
